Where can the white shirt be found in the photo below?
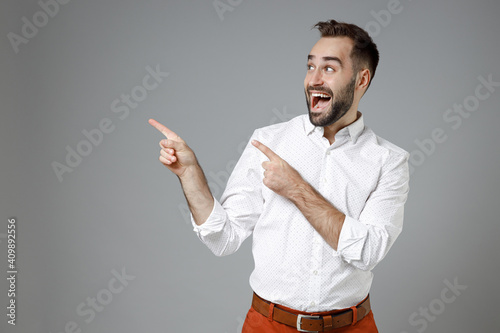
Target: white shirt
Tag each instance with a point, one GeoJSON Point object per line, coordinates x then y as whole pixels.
{"type": "Point", "coordinates": [362, 175]}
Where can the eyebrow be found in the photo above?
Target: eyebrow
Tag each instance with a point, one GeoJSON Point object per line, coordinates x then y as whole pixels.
{"type": "Point", "coordinates": [337, 59]}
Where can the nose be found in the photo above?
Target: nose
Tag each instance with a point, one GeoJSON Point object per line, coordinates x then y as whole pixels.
{"type": "Point", "coordinates": [316, 79]}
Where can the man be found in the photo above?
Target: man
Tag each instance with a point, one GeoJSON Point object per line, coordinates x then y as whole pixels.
{"type": "Point", "coordinates": [323, 195]}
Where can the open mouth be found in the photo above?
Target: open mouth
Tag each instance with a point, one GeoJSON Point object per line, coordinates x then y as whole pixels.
{"type": "Point", "coordinates": [320, 100]}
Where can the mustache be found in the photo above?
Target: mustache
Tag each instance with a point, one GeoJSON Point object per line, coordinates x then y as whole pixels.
{"type": "Point", "coordinates": [324, 89]}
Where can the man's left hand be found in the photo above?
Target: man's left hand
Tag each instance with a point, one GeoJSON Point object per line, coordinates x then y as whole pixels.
{"type": "Point", "coordinates": [279, 176]}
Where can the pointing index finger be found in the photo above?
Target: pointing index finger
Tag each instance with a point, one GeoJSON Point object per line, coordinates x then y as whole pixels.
{"type": "Point", "coordinates": [163, 129]}
{"type": "Point", "coordinates": [266, 150]}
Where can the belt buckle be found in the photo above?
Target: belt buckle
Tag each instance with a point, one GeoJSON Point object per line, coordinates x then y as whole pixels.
{"type": "Point", "coordinates": [299, 322]}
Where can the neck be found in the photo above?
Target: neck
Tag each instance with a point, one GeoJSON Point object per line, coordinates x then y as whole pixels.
{"type": "Point", "coordinates": [329, 131]}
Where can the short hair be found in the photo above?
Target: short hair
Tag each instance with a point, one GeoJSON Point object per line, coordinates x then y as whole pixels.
{"type": "Point", "coordinates": [364, 52]}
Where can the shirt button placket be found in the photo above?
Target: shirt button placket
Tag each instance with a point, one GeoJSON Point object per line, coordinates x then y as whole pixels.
{"type": "Point", "coordinates": [315, 276]}
{"type": "Point", "coordinates": [317, 246]}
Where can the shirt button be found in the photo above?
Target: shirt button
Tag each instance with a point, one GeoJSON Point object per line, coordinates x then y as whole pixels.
{"type": "Point", "coordinates": [315, 272]}
{"type": "Point", "coordinates": [328, 152]}
{"type": "Point", "coordinates": [313, 303]}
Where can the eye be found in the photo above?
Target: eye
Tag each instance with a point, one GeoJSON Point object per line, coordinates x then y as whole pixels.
{"type": "Point", "coordinates": [329, 69]}
{"type": "Point", "coordinates": [309, 67]}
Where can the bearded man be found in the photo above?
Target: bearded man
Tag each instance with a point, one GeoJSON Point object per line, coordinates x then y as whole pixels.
{"type": "Point", "coordinates": [322, 194]}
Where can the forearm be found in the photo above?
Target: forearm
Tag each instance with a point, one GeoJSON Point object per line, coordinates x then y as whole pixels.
{"type": "Point", "coordinates": [176, 155]}
{"type": "Point", "coordinates": [197, 193]}
{"type": "Point", "coordinates": [321, 214]}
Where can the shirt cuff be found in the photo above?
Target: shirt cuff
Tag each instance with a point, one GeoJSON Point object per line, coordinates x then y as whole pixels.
{"type": "Point", "coordinates": [214, 223]}
{"type": "Point", "coordinates": [352, 239]}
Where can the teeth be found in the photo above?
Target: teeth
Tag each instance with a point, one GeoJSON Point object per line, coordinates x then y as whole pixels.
{"type": "Point", "coordinates": [320, 95]}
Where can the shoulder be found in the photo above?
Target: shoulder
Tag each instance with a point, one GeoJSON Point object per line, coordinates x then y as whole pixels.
{"type": "Point", "coordinates": [382, 149]}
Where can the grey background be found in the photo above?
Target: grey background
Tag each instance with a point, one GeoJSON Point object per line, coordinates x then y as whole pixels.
{"type": "Point", "coordinates": [229, 74]}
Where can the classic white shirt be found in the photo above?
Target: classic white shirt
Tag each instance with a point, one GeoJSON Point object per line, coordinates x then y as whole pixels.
{"type": "Point", "coordinates": [362, 175]}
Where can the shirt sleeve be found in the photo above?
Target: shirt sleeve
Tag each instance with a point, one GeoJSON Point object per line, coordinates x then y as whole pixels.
{"type": "Point", "coordinates": [214, 223]}
{"type": "Point", "coordinates": [233, 219]}
{"type": "Point", "coordinates": [365, 241]}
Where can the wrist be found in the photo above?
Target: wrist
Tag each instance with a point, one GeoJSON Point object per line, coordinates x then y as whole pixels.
{"type": "Point", "coordinates": [299, 191]}
{"type": "Point", "coordinates": [194, 182]}
{"type": "Point", "coordinates": [191, 172]}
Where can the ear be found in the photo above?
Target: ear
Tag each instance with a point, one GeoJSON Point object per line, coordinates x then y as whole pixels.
{"type": "Point", "coordinates": [363, 79]}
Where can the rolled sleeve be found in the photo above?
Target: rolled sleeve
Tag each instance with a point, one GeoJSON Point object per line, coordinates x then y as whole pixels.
{"type": "Point", "coordinates": [364, 241]}
{"type": "Point", "coordinates": [352, 239]}
{"type": "Point", "coordinates": [214, 223]}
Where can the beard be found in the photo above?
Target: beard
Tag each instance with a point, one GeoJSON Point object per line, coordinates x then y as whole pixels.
{"type": "Point", "coordinates": [342, 102]}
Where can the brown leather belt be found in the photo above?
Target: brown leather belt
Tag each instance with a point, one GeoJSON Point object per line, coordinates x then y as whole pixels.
{"type": "Point", "coordinates": [312, 323]}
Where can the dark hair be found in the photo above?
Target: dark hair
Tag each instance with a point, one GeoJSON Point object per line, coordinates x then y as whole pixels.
{"type": "Point", "coordinates": [364, 51]}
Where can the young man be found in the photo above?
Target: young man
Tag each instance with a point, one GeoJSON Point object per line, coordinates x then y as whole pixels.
{"type": "Point", "coordinates": [323, 195]}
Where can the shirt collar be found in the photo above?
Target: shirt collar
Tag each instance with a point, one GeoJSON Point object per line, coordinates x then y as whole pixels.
{"type": "Point", "coordinates": [353, 130]}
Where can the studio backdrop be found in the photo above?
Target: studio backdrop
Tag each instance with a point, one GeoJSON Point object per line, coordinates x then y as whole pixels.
{"type": "Point", "coordinates": [103, 240]}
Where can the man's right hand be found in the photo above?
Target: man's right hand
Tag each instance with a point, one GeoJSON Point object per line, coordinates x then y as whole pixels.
{"type": "Point", "coordinates": [175, 154]}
